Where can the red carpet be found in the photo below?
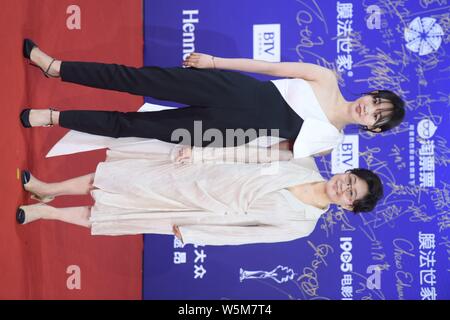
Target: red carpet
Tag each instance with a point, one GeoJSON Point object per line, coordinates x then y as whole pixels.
{"type": "Point", "coordinates": [34, 258]}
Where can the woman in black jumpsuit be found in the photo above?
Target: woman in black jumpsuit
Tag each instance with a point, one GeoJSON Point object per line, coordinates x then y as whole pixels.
{"type": "Point", "coordinates": [219, 99]}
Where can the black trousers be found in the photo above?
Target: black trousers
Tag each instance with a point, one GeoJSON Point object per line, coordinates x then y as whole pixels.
{"type": "Point", "coordinates": [215, 99]}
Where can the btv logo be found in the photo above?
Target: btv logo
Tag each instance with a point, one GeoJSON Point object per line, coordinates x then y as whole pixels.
{"type": "Point", "coordinates": [346, 155]}
{"type": "Point", "coordinates": [266, 42]}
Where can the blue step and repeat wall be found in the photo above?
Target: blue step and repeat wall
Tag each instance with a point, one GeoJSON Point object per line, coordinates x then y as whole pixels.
{"type": "Point", "coordinates": [399, 251]}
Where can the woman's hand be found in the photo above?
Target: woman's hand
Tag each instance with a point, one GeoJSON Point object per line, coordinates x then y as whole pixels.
{"type": "Point", "coordinates": [183, 155]}
{"type": "Point", "coordinates": [284, 145]}
{"type": "Point", "coordinates": [177, 233]}
{"type": "Point", "coordinates": [200, 61]}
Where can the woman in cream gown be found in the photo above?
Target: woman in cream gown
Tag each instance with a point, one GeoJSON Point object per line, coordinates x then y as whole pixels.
{"type": "Point", "coordinates": [219, 196]}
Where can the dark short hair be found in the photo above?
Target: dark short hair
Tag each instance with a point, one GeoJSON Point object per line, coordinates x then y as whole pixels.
{"type": "Point", "coordinates": [397, 111]}
{"type": "Point", "coordinates": [374, 194]}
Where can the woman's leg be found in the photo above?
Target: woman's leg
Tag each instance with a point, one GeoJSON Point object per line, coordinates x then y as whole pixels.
{"type": "Point", "coordinates": [75, 186]}
{"type": "Point", "coordinates": [43, 60]}
{"type": "Point", "coordinates": [190, 86]}
{"type": "Point", "coordinates": [195, 126]}
{"type": "Point", "coordinates": [188, 126]}
{"type": "Point", "coordinates": [41, 117]}
{"type": "Point", "coordinates": [165, 125]}
{"type": "Point", "coordinates": [199, 87]}
{"type": "Point", "coordinates": [73, 215]}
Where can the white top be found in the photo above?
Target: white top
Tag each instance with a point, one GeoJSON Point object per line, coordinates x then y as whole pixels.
{"type": "Point", "coordinates": [317, 134]}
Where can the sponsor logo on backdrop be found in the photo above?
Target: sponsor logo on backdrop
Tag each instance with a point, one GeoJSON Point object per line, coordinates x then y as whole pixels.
{"type": "Point", "coordinates": [412, 155]}
{"type": "Point", "coordinates": [346, 268]}
{"type": "Point", "coordinates": [346, 155]}
{"type": "Point", "coordinates": [267, 42]}
{"type": "Point", "coordinates": [425, 130]}
{"type": "Point", "coordinates": [190, 19]}
{"type": "Point", "coordinates": [374, 271]}
{"type": "Point", "coordinates": [280, 274]}
{"type": "Point", "coordinates": [180, 257]}
{"type": "Point", "coordinates": [344, 29]}
{"type": "Point", "coordinates": [427, 261]}
{"type": "Point", "coordinates": [423, 35]}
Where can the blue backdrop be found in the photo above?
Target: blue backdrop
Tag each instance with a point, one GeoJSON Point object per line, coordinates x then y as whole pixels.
{"type": "Point", "coordinates": [399, 251]}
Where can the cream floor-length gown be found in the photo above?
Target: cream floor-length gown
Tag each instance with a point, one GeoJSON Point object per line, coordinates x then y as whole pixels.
{"type": "Point", "coordinates": [226, 196]}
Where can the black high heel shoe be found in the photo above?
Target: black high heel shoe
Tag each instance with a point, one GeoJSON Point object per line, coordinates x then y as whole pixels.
{"type": "Point", "coordinates": [29, 45]}
{"type": "Point", "coordinates": [25, 177]}
{"type": "Point", "coordinates": [23, 218]}
{"type": "Point", "coordinates": [20, 216]}
{"type": "Point", "coordinates": [25, 118]}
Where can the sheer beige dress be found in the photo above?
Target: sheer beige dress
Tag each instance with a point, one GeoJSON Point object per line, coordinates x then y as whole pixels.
{"type": "Point", "coordinates": [226, 196]}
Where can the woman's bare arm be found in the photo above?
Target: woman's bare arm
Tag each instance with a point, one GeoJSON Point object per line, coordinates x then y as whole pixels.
{"type": "Point", "coordinates": [242, 154]}
{"type": "Point", "coordinates": [307, 71]}
{"type": "Point", "coordinates": [177, 233]}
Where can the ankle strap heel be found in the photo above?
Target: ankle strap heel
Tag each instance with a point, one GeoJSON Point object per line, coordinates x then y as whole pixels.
{"type": "Point", "coordinates": [50, 124]}
{"type": "Point", "coordinates": [25, 118]}
{"type": "Point", "coordinates": [28, 46]}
